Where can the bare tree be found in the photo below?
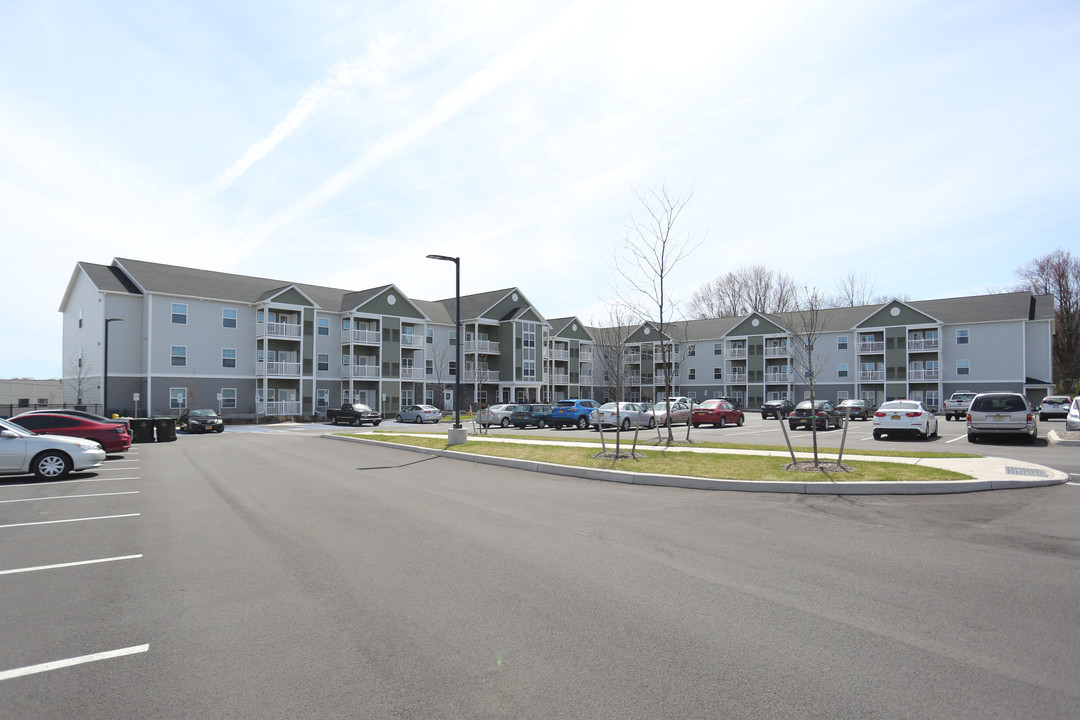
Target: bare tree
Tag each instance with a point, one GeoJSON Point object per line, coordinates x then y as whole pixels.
{"type": "Point", "coordinates": [78, 376]}
{"type": "Point", "coordinates": [808, 355]}
{"type": "Point", "coordinates": [652, 248]}
{"type": "Point", "coordinates": [853, 290]}
{"type": "Point", "coordinates": [753, 288]}
{"type": "Point", "coordinates": [1058, 274]}
{"type": "Point", "coordinates": [612, 353]}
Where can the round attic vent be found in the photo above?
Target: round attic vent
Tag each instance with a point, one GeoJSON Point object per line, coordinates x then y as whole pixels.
{"type": "Point", "coordinates": [391, 299]}
{"type": "Point", "coordinates": [647, 331]}
{"type": "Point", "coordinates": [895, 311]}
{"type": "Point", "coordinates": [514, 297]}
{"type": "Point", "coordinates": [755, 322]}
{"type": "Point", "coordinates": [574, 326]}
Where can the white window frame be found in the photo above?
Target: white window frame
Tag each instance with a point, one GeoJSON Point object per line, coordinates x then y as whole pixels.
{"type": "Point", "coordinates": [965, 334]}
{"type": "Point", "coordinates": [179, 313]}
{"type": "Point", "coordinates": [322, 359]}
{"type": "Point", "coordinates": [225, 357]}
{"type": "Point", "coordinates": [841, 370]}
{"type": "Point", "coordinates": [177, 398]}
{"type": "Point", "coordinates": [323, 326]}
{"type": "Point", "coordinates": [226, 319]}
{"type": "Point", "coordinates": [963, 367]}
{"type": "Point", "coordinates": [228, 398]}
{"type": "Point", "coordinates": [173, 355]}
{"type": "Point", "coordinates": [322, 397]}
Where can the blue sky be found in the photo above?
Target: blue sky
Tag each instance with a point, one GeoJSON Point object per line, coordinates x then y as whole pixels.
{"type": "Point", "coordinates": [931, 146]}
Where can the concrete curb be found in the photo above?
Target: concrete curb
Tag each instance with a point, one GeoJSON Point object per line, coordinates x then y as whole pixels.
{"type": "Point", "coordinates": [1053, 438]}
{"type": "Point", "coordinates": [698, 483]}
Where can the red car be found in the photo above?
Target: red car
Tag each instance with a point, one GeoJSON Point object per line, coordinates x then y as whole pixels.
{"type": "Point", "coordinates": [717, 411]}
{"type": "Point", "coordinates": [113, 436]}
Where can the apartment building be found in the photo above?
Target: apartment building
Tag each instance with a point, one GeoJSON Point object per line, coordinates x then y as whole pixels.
{"type": "Point", "coordinates": [181, 337]}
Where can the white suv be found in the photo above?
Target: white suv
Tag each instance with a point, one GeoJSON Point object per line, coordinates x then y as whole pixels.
{"type": "Point", "coordinates": [1001, 413]}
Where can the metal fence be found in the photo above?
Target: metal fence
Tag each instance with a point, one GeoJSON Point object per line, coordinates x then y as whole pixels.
{"type": "Point", "coordinates": [13, 409]}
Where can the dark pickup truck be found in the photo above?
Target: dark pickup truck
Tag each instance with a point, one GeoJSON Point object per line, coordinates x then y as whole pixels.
{"type": "Point", "coordinates": [353, 414]}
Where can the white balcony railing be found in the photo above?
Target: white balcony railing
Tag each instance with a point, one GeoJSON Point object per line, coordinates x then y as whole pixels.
{"type": "Point", "coordinates": [633, 379]}
{"type": "Point", "coordinates": [413, 373]}
{"type": "Point", "coordinates": [279, 407]}
{"type": "Point", "coordinates": [871, 376]}
{"type": "Point", "coordinates": [737, 353]}
{"type": "Point", "coordinates": [482, 346]}
{"type": "Point", "coordinates": [558, 378]}
{"type": "Point", "coordinates": [412, 340]}
{"type": "Point", "coordinates": [924, 374]}
{"type": "Point", "coordinates": [585, 380]}
{"type": "Point", "coordinates": [584, 356]}
{"type": "Point", "coordinates": [277, 369]}
{"type": "Point", "coordinates": [871, 347]}
{"type": "Point", "coordinates": [633, 358]}
{"type": "Point", "coordinates": [777, 377]}
{"type": "Point", "coordinates": [737, 378]}
{"type": "Point", "coordinates": [776, 351]}
{"type": "Point", "coordinates": [922, 345]}
{"type": "Point", "coordinates": [361, 337]}
{"type": "Point", "coordinates": [480, 376]}
{"type": "Point", "coordinates": [362, 371]}
{"type": "Point", "coordinates": [285, 331]}
{"type": "Point", "coordinates": [559, 354]}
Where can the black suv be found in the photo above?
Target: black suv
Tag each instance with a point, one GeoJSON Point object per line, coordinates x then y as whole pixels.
{"type": "Point", "coordinates": [778, 409]}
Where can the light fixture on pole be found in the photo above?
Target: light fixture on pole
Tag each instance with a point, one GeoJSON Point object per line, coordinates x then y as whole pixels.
{"type": "Point", "coordinates": [105, 369]}
{"type": "Point", "coordinates": [457, 331]}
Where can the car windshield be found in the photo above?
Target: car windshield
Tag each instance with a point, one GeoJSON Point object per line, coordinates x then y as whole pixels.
{"type": "Point", "coordinates": [361, 407]}
{"type": "Point", "coordinates": [851, 403]}
{"type": "Point", "coordinates": [1056, 400]}
{"type": "Point", "coordinates": [608, 407]}
{"type": "Point", "coordinates": [900, 406]}
{"type": "Point", "coordinates": [15, 428]}
{"type": "Point", "coordinates": [999, 403]}
{"type": "Point", "coordinates": [203, 413]}
{"type": "Point", "coordinates": [565, 403]}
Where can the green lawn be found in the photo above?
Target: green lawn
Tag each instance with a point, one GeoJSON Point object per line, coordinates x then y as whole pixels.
{"type": "Point", "coordinates": [674, 462]}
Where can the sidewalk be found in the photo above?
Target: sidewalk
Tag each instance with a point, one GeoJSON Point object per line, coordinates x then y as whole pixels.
{"type": "Point", "coordinates": [989, 473]}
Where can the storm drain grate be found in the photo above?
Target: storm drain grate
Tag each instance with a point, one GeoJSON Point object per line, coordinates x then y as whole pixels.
{"type": "Point", "coordinates": [1027, 472]}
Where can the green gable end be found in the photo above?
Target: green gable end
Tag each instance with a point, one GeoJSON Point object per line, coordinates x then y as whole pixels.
{"type": "Point", "coordinates": [897, 313]}
{"type": "Point", "coordinates": [292, 296]}
{"type": "Point", "coordinates": [401, 307]}
{"type": "Point", "coordinates": [764, 327]}
{"type": "Point", "coordinates": [644, 334]}
{"type": "Point", "coordinates": [569, 333]}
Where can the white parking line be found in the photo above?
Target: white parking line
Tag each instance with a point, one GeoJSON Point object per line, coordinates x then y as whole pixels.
{"type": "Point", "coordinates": [53, 522]}
{"type": "Point", "coordinates": [956, 439]}
{"type": "Point", "coordinates": [68, 497]}
{"type": "Point", "coordinates": [57, 664]}
{"type": "Point", "coordinates": [70, 564]}
{"type": "Point", "coordinates": [64, 482]}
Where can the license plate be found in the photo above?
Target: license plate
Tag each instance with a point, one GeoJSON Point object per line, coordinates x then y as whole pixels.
{"type": "Point", "coordinates": [895, 417]}
{"type": "Point", "coordinates": [999, 418]}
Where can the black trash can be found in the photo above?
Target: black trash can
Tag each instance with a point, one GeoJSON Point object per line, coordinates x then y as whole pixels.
{"type": "Point", "coordinates": [142, 430]}
{"type": "Point", "coordinates": [165, 427]}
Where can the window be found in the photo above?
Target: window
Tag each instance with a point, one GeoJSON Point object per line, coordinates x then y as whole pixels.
{"type": "Point", "coordinates": [691, 351]}
{"type": "Point", "coordinates": [842, 370]}
{"type": "Point", "coordinates": [345, 324]}
{"type": "Point", "coordinates": [323, 361]}
{"type": "Point", "coordinates": [80, 317]}
{"type": "Point", "coordinates": [228, 318]}
{"type": "Point", "coordinates": [429, 336]}
{"type": "Point", "coordinates": [228, 358]}
{"type": "Point", "coordinates": [453, 337]}
{"type": "Point", "coordinates": [24, 402]}
{"type": "Point", "coordinates": [718, 349]}
{"type": "Point", "coordinates": [179, 356]}
{"type": "Point", "coordinates": [963, 367]}
{"type": "Point", "coordinates": [228, 398]}
{"type": "Point", "coordinates": [691, 374]}
{"type": "Point", "coordinates": [322, 396]}
{"type": "Point", "coordinates": [453, 368]}
{"type": "Point", "coordinates": [962, 337]}
{"type": "Point", "coordinates": [841, 342]}
{"type": "Point", "coordinates": [177, 398]}
{"type": "Point", "coordinates": [324, 326]}
{"type": "Point", "coordinates": [718, 373]}
{"type": "Point", "coordinates": [429, 397]}
{"type": "Point", "coordinates": [429, 367]}
{"type": "Point", "coordinates": [692, 394]}
{"type": "Point", "coordinates": [260, 316]}
{"type": "Point", "coordinates": [345, 359]}
{"type": "Point", "coordinates": [179, 314]}
{"type": "Point", "coordinates": [841, 395]}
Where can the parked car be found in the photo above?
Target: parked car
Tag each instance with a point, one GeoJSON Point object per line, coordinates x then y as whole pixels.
{"type": "Point", "coordinates": [572, 413]}
{"type": "Point", "coordinates": [497, 415]}
{"type": "Point", "coordinates": [354, 414]}
{"type": "Point", "coordinates": [820, 415]}
{"type": "Point", "coordinates": [735, 402]}
{"type": "Point", "coordinates": [1072, 421]}
{"type": "Point", "coordinates": [622, 415]}
{"type": "Point", "coordinates": [419, 414]}
{"type": "Point", "coordinates": [1001, 413]}
{"type": "Point", "coordinates": [111, 435]}
{"type": "Point", "coordinates": [854, 408]}
{"type": "Point", "coordinates": [778, 409]}
{"type": "Point", "coordinates": [897, 417]}
{"type": "Point", "coordinates": [717, 411]}
{"type": "Point", "coordinates": [49, 457]}
{"type": "Point", "coordinates": [1054, 406]}
{"type": "Point", "coordinates": [679, 412]}
{"type": "Point", "coordinates": [79, 413]}
{"type": "Point", "coordinates": [957, 405]}
{"type": "Point", "coordinates": [204, 420]}
{"type": "Point", "coordinates": [538, 414]}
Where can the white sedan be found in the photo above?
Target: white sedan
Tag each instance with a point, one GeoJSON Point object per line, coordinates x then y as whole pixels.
{"type": "Point", "coordinates": [623, 415]}
{"type": "Point", "coordinates": [49, 457]}
{"type": "Point", "coordinates": [1072, 420]}
{"type": "Point", "coordinates": [911, 417]}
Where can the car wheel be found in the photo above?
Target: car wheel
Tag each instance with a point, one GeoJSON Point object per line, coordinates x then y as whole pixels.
{"type": "Point", "coordinates": [485, 425]}
{"type": "Point", "coordinates": [791, 427]}
{"type": "Point", "coordinates": [219, 428]}
{"type": "Point", "coordinates": [626, 424]}
{"type": "Point", "coordinates": [723, 422]}
{"type": "Point", "coordinates": [505, 422]}
{"type": "Point", "coordinates": [419, 420]}
{"type": "Point", "coordinates": [973, 438]}
{"type": "Point", "coordinates": [376, 423]}
{"type": "Point", "coordinates": [398, 418]}
{"type": "Point", "coordinates": [740, 421]}
{"type": "Point", "coordinates": [51, 465]}
{"type": "Point", "coordinates": [1031, 438]}
{"type": "Point", "coordinates": [355, 422]}
{"type": "Point", "coordinates": [1042, 418]}
{"type": "Point", "coordinates": [695, 424]}
{"type": "Point", "coordinates": [764, 416]}
{"type": "Point", "coordinates": [541, 424]}
{"type": "Point", "coordinates": [582, 423]}
{"type": "Point", "coordinates": [877, 434]}
{"type": "Point", "coordinates": [652, 424]}
{"type": "Point", "coordinates": [333, 420]}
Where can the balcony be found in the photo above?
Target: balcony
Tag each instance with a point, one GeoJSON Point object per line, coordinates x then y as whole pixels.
{"type": "Point", "coordinates": [871, 348]}
{"type": "Point", "coordinates": [279, 407]}
{"type": "Point", "coordinates": [486, 347]}
{"type": "Point", "coordinates": [278, 330]}
{"type": "Point", "coordinates": [277, 369]}
{"type": "Point", "coordinates": [924, 374]}
{"type": "Point", "coordinates": [413, 373]}
{"type": "Point", "coordinates": [585, 356]}
{"type": "Point", "coordinates": [633, 358]}
{"type": "Point", "coordinates": [875, 376]}
{"type": "Point", "coordinates": [370, 372]}
{"type": "Point", "coordinates": [737, 353]}
{"type": "Point", "coordinates": [776, 351]}
{"type": "Point", "coordinates": [361, 337]}
{"type": "Point", "coordinates": [478, 376]}
{"type": "Point", "coordinates": [559, 355]}
{"type": "Point", "coordinates": [777, 377]}
{"type": "Point", "coordinates": [413, 341]}
{"type": "Point", "coordinates": [557, 378]}
{"type": "Point", "coordinates": [632, 380]}
{"type": "Point", "coordinates": [736, 378]}
{"type": "Point", "coordinates": [923, 345]}
{"type": "Point", "coordinates": [585, 380]}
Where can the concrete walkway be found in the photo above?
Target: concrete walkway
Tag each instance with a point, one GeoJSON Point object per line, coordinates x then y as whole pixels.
{"type": "Point", "coordinates": [988, 473]}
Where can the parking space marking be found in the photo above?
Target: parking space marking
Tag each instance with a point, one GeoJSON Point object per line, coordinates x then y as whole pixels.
{"type": "Point", "coordinates": [57, 664]}
{"type": "Point", "coordinates": [54, 522]}
{"type": "Point", "coordinates": [956, 439]}
{"type": "Point", "coordinates": [69, 497]}
{"type": "Point", "coordinates": [64, 482]}
{"type": "Point", "coordinates": [70, 564]}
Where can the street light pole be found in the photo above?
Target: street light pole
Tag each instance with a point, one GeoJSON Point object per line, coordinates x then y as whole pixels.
{"type": "Point", "coordinates": [460, 339]}
{"type": "Point", "coordinates": [105, 369]}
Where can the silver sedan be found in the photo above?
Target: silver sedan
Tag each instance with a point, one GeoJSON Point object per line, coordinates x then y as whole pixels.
{"type": "Point", "coordinates": [678, 411]}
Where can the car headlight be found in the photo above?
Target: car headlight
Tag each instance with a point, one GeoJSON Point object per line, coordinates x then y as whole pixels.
{"type": "Point", "coordinates": [88, 445]}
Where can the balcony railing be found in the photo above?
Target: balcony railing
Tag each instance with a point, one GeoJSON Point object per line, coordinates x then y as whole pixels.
{"type": "Point", "coordinates": [776, 351]}
{"type": "Point", "coordinates": [277, 369]}
{"type": "Point", "coordinates": [412, 340]}
{"type": "Point", "coordinates": [739, 353]}
{"type": "Point", "coordinates": [286, 331]}
{"type": "Point", "coordinates": [584, 356]}
{"type": "Point", "coordinates": [560, 354]}
{"type": "Point", "coordinates": [279, 407]}
{"type": "Point", "coordinates": [585, 380]}
{"type": "Point", "coordinates": [737, 378]}
{"type": "Point", "coordinates": [777, 377]}
{"type": "Point", "coordinates": [922, 345]}
{"type": "Point", "coordinates": [413, 373]}
{"type": "Point", "coordinates": [482, 346]}
{"type": "Point", "coordinates": [480, 376]}
{"type": "Point", "coordinates": [924, 374]}
{"type": "Point", "coordinates": [362, 371]}
{"type": "Point", "coordinates": [633, 358]}
{"type": "Point", "coordinates": [871, 376]}
{"type": "Point", "coordinates": [557, 378]}
{"type": "Point", "coordinates": [871, 347]}
{"type": "Point", "coordinates": [361, 337]}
